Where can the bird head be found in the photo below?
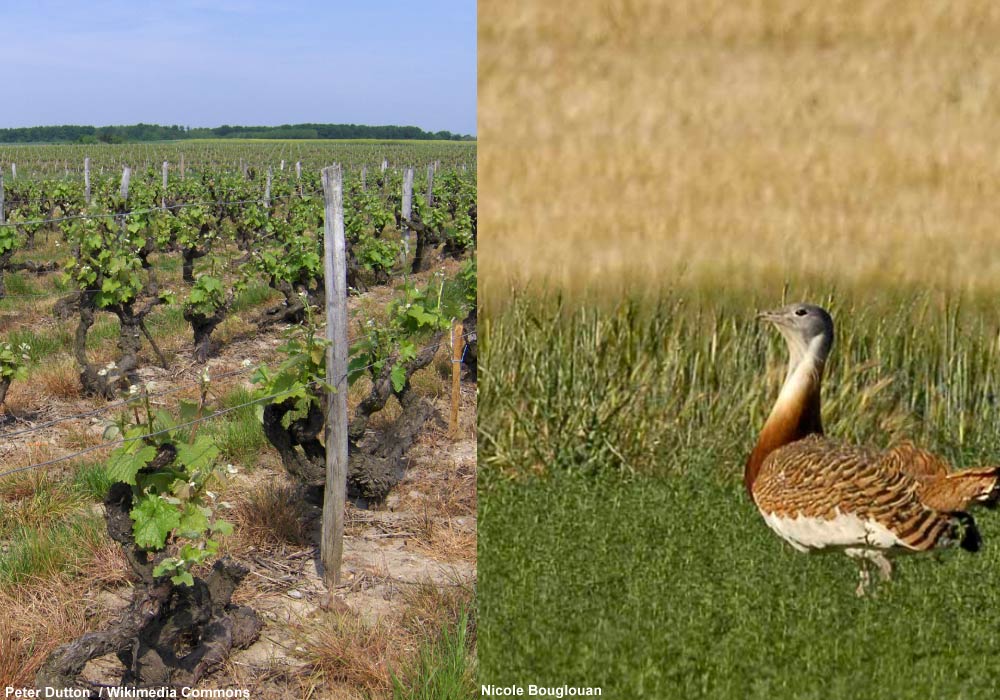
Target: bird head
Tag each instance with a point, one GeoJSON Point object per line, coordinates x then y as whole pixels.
{"type": "Point", "coordinates": [807, 328]}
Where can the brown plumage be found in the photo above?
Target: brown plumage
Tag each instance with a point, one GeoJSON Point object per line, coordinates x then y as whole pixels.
{"type": "Point", "coordinates": [818, 493]}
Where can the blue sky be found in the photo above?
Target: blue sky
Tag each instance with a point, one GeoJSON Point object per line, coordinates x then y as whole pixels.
{"type": "Point", "coordinates": [205, 63]}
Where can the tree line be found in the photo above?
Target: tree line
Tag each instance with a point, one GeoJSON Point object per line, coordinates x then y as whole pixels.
{"type": "Point", "coordinates": [155, 132]}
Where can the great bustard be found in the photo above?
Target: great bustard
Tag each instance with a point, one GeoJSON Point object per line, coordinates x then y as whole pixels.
{"type": "Point", "coordinates": [818, 493]}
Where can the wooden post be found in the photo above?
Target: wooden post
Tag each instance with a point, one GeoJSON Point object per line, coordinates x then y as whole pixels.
{"type": "Point", "coordinates": [298, 175]}
{"type": "Point", "coordinates": [182, 166]}
{"type": "Point", "coordinates": [385, 164]}
{"type": "Point", "coordinates": [126, 176]}
{"type": "Point", "coordinates": [457, 349]}
{"type": "Point", "coordinates": [267, 189]}
{"type": "Point", "coordinates": [86, 180]}
{"type": "Point", "coordinates": [13, 171]}
{"type": "Point", "coordinates": [335, 264]}
{"type": "Point", "coordinates": [163, 199]}
{"type": "Point", "coordinates": [282, 168]}
{"type": "Point", "coordinates": [430, 185]}
{"type": "Point", "coordinates": [3, 218]}
{"type": "Point", "coordinates": [407, 211]}
{"type": "Point", "coordinates": [364, 173]}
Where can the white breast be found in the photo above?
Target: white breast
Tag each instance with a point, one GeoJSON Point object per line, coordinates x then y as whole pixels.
{"type": "Point", "coordinates": [843, 530]}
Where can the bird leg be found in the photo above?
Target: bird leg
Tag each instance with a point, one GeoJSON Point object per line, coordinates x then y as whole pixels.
{"type": "Point", "coordinates": [865, 558]}
{"type": "Point", "coordinates": [863, 576]}
{"type": "Point", "coordinates": [883, 563]}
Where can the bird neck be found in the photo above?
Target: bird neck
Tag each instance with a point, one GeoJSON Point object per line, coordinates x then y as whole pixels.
{"type": "Point", "coordinates": [796, 413]}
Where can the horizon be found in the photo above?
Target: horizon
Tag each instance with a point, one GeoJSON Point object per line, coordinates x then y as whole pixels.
{"type": "Point", "coordinates": [201, 64]}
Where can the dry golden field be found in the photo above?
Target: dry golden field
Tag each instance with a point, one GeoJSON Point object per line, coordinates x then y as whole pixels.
{"type": "Point", "coordinates": [629, 143]}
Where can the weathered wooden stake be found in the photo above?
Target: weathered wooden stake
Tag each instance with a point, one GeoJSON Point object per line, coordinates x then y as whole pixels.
{"type": "Point", "coordinates": [182, 166]}
{"type": "Point", "coordinates": [407, 210]}
{"type": "Point", "coordinates": [364, 174]}
{"type": "Point", "coordinates": [163, 199]}
{"type": "Point", "coordinates": [267, 188]}
{"type": "Point", "coordinates": [335, 263]}
{"type": "Point", "coordinates": [126, 176]}
{"type": "Point", "coordinates": [430, 185]}
{"type": "Point", "coordinates": [2, 215]}
{"type": "Point", "coordinates": [282, 165]}
{"type": "Point", "coordinates": [457, 348]}
{"type": "Point", "coordinates": [13, 171]}
{"type": "Point", "coordinates": [86, 180]}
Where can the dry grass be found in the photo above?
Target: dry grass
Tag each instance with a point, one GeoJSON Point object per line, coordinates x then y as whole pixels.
{"type": "Point", "coordinates": [36, 619]}
{"type": "Point", "coordinates": [57, 378]}
{"type": "Point", "coordinates": [340, 648]}
{"type": "Point", "coordinates": [629, 142]}
{"type": "Point", "coordinates": [272, 514]}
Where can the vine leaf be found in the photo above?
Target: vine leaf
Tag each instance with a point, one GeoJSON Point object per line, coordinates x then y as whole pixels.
{"type": "Point", "coordinates": [198, 455]}
{"type": "Point", "coordinates": [154, 519]}
{"type": "Point", "coordinates": [124, 466]}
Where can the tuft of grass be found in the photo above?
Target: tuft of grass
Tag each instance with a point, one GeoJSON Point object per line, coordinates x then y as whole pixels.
{"type": "Point", "coordinates": [239, 435]}
{"type": "Point", "coordinates": [341, 648]}
{"type": "Point", "coordinates": [34, 499]}
{"type": "Point", "coordinates": [42, 553]}
{"type": "Point", "coordinates": [273, 514]}
{"type": "Point", "coordinates": [443, 670]}
{"type": "Point", "coordinates": [255, 294]}
{"type": "Point", "coordinates": [59, 378]}
{"type": "Point", "coordinates": [92, 481]}
{"type": "Point", "coordinates": [41, 344]}
{"type": "Point", "coordinates": [19, 284]}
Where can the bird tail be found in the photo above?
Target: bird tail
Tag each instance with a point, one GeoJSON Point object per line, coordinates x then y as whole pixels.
{"type": "Point", "coordinates": [968, 487]}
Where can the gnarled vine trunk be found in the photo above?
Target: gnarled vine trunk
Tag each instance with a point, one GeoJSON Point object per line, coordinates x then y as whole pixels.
{"type": "Point", "coordinates": [168, 636]}
{"type": "Point", "coordinates": [376, 465]}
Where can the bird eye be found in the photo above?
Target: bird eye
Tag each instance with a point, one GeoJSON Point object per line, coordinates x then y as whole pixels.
{"type": "Point", "coordinates": [800, 312]}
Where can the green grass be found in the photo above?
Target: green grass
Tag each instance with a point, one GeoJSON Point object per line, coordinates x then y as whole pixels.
{"type": "Point", "coordinates": [253, 296]}
{"type": "Point", "coordinates": [617, 547]}
{"type": "Point", "coordinates": [92, 481]}
{"type": "Point", "coordinates": [45, 552]}
{"type": "Point", "coordinates": [443, 669]}
{"type": "Point", "coordinates": [19, 284]}
{"type": "Point", "coordinates": [239, 435]}
{"type": "Point", "coordinates": [42, 344]}
{"type": "Point", "coordinates": [674, 587]}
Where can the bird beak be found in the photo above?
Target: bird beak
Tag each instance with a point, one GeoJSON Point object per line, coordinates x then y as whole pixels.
{"type": "Point", "coordinates": [775, 317]}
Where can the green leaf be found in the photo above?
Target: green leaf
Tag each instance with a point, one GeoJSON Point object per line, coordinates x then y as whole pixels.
{"type": "Point", "coordinates": [123, 466]}
{"type": "Point", "coordinates": [222, 527]}
{"type": "Point", "coordinates": [193, 522]}
{"type": "Point", "coordinates": [168, 564]}
{"type": "Point", "coordinates": [198, 455]}
{"type": "Point", "coordinates": [154, 520]}
{"type": "Point", "coordinates": [188, 410]}
{"type": "Point", "coordinates": [184, 577]}
{"type": "Point", "coordinates": [398, 376]}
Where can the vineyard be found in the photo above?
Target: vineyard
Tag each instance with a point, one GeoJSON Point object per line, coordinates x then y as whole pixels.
{"type": "Point", "coordinates": [163, 392]}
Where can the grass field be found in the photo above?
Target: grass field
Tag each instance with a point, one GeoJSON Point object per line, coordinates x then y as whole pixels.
{"type": "Point", "coordinates": [656, 174]}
